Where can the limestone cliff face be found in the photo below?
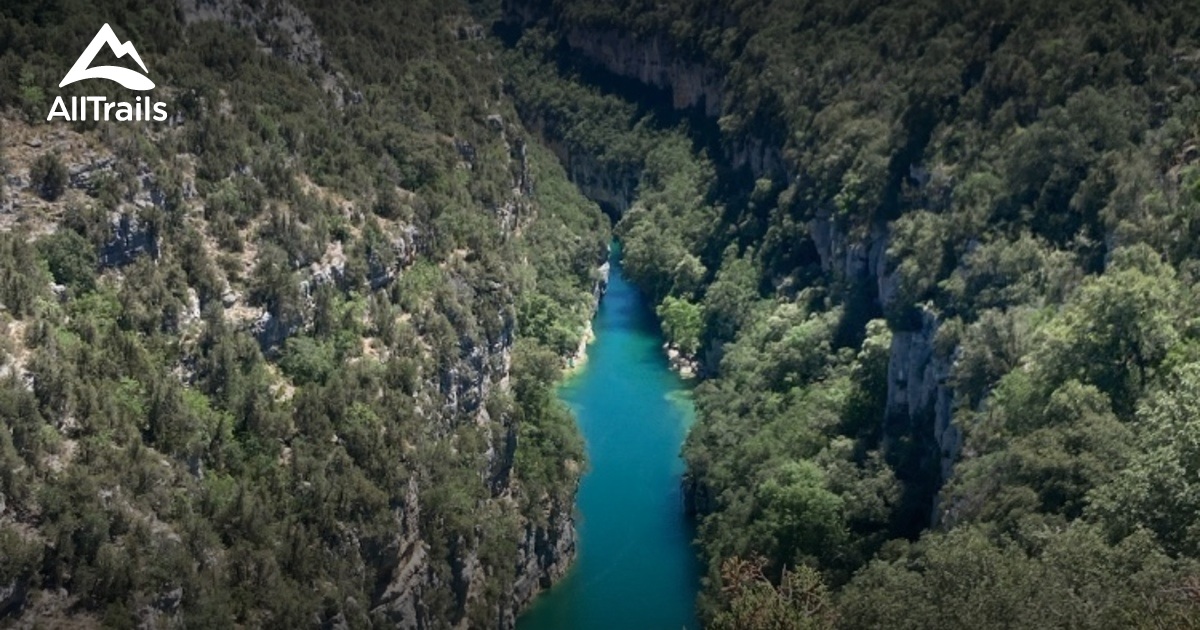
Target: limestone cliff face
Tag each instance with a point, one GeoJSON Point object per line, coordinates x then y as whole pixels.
{"type": "Point", "coordinates": [652, 61]}
{"type": "Point", "coordinates": [544, 548]}
{"type": "Point", "coordinates": [614, 189]}
{"type": "Point", "coordinates": [131, 238]}
{"type": "Point", "coordinates": [545, 554]}
{"type": "Point", "coordinates": [546, 544]}
{"type": "Point", "coordinates": [918, 389]}
{"type": "Point", "coordinates": [918, 377]}
{"type": "Point", "coordinates": [919, 393]}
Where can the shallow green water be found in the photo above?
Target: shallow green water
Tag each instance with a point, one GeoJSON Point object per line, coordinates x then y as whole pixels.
{"type": "Point", "coordinates": [636, 568]}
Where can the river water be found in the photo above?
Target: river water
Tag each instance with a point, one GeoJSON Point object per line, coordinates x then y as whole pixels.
{"type": "Point", "coordinates": [636, 568]}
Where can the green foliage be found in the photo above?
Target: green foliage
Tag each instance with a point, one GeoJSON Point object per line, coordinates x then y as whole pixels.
{"type": "Point", "coordinates": [1117, 328]}
{"type": "Point", "coordinates": [682, 323]}
{"type": "Point", "coordinates": [20, 557]}
{"type": "Point", "coordinates": [664, 233]}
{"type": "Point", "coordinates": [542, 318]}
{"type": "Point", "coordinates": [1150, 492]}
{"type": "Point", "coordinates": [729, 300]}
{"type": "Point", "coordinates": [553, 305]}
{"type": "Point", "coordinates": [919, 247]}
{"type": "Point", "coordinates": [602, 127]}
{"type": "Point", "coordinates": [165, 455]}
{"type": "Point", "coordinates": [549, 446]}
{"type": "Point", "coordinates": [23, 277]}
{"type": "Point", "coordinates": [70, 258]}
{"type": "Point", "coordinates": [1047, 579]}
{"type": "Point", "coordinates": [803, 516]}
{"type": "Point", "coordinates": [48, 176]}
{"type": "Point", "coordinates": [999, 198]}
{"type": "Point", "coordinates": [30, 95]}
{"type": "Point", "coordinates": [273, 285]}
{"type": "Point", "coordinates": [306, 360]}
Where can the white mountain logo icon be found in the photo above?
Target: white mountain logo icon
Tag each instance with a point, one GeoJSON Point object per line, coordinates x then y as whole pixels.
{"type": "Point", "coordinates": [129, 78]}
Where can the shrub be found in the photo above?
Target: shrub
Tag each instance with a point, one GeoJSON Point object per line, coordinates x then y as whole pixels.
{"type": "Point", "coordinates": [71, 259]}
{"type": "Point", "coordinates": [48, 176]}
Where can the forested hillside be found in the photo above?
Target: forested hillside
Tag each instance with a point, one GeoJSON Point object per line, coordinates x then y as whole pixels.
{"type": "Point", "coordinates": [284, 359]}
{"type": "Point", "coordinates": [938, 263]}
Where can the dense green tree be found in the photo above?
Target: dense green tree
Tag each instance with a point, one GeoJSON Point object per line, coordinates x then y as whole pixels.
{"type": "Point", "coordinates": [23, 279]}
{"type": "Point", "coordinates": [48, 176]}
{"type": "Point", "coordinates": [1150, 493]}
{"type": "Point", "coordinates": [682, 323]}
{"type": "Point", "coordinates": [1117, 328]}
{"type": "Point", "coordinates": [71, 259]}
{"type": "Point", "coordinates": [1049, 579]}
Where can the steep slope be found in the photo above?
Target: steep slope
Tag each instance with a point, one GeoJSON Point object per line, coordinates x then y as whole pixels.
{"type": "Point", "coordinates": [285, 358]}
{"type": "Point", "coordinates": [937, 262]}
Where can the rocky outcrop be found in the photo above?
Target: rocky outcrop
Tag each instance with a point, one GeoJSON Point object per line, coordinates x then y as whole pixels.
{"type": "Point", "coordinates": [12, 595]}
{"type": "Point", "coordinates": [686, 365]}
{"type": "Point", "coordinates": [652, 61]}
{"type": "Point", "coordinates": [601, 284]}
{"type": "Point", "coordinates": [545, 545]}
{"type": "Point", "coordinates": [919, 391]}
{"type": "Point", "coordinates": [918, 387]}
{"type": "Point", "coordinates": [271, 331]}
{"type": "Point", "coordinates": [131, 237]}
{"type": "Point", "coordinates": [853, 259]}
{"type": "Point", "coordinates": [406, 566]}
{"type": "Point", "coordinates": [544, 555]}
{"type": "Point", "coordinates": [613, 189]}
{"type": "Point", "coordinates": [544, 552]}
{"type": "Point", "coordinates": [693, 85]}
{"type": "Point", "coordinates": [280, 29]}
{"type": "Point", "coordinates": [467, 384]}
{"type": "Point", "coordinates": [761, 157]}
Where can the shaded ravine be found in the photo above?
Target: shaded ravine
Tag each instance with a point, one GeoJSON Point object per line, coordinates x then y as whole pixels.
{"type": "Point", "coordinates": [636, 567]}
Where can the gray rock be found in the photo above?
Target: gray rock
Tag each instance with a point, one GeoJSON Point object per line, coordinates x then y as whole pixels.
{"type": "Point", "coordinates": [653, 62]}
{"type": "Point", "coordinates": [131, 238]}
{"type": "Point", "coordinates": [270, 331]}
{"type": "Point", "coordinates": [191, 311]}
{"type": "Point", "coordinates": [614, 189]}
{"type": "Point", "coordinates": [12, 596]}
{"type": "Point", "coordinates": [170, 601]}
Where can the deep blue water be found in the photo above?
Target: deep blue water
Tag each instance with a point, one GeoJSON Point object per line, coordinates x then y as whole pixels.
{"type": "Point", "coordinates": [636, 568]}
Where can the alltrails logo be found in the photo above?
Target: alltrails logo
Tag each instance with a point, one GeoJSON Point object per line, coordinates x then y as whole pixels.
{"type": "Point", "coordinates": [144, 108]}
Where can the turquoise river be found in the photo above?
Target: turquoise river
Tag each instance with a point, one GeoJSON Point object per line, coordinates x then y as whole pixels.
{"type": "Point", "coordinates": [635, 567]}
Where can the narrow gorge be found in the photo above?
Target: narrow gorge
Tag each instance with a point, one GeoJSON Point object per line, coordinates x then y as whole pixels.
{"type": "Point", "coordinates": [878, 232]}
{"type": "Point", "coordinates": [901, 323]}
{"type": "Point", "coordinates": [635, 541]}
